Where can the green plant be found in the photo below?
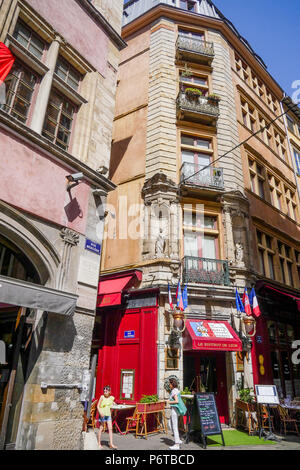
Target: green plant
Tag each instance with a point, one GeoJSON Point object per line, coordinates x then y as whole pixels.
{"type": "Point", "coordinates": [213, 96]}
{"type": "Point", "coordinates": [187, 72]}
{"type": "Point", "coordinates": [245, 394]}
{"type": "Point", "coordinates": [193, 92]}
{"type": "Point", "coordinates": [149, 399]}
{"type": "Point", "coordinates": [185, 391]}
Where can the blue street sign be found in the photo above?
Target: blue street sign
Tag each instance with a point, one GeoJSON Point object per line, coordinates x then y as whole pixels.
{"type": "Point", "coordinates": [129, 334]}
{"type": "Point", "coordinates": [93, 246]}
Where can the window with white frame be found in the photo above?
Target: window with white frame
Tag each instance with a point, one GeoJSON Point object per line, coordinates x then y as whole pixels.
{"type": "Point", "coordinates": [200, 235]}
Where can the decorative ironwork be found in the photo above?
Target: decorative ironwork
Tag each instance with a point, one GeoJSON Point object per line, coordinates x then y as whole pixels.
{"type": "Point", "coordinates": [208, 178]}
{"type": "Point", "coordinates": [199, 105]}
{"type": "Point", "coordinates": [205, 271]}
{"type": "Point", "coordinates": [198, 46]}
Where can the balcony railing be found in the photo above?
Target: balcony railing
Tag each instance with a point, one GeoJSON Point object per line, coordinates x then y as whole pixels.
{"type": "Point", "coordinates": [200, 49]}
{"type": "Point", "coordinates": [208, 178]}
{"type": "Point", "coordinates": [205, 271]}
{"type": "Point", "coordinates": [198, 108]}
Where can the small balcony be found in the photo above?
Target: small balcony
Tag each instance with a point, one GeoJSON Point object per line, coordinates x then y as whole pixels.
{"type": "Point", "coordinates": [200, 109]}
{"type": "Point", "coordinates": [205, 271]}
{"type": "Point", "coordinates": [210, 178]}
{"type": "Point", "coordinates": [194, 50]}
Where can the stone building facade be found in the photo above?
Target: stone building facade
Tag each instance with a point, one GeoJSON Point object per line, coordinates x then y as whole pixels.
{"type": "Point", "coordinates": [190, 90]}
{"type": "Point", "coordinates": [56, 128]}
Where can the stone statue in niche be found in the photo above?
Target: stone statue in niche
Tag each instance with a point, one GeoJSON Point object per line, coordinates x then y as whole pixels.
{"type": "Point", "coordinates": [239, 252]}
{"type": "Point", "coordinates": [160, 245]}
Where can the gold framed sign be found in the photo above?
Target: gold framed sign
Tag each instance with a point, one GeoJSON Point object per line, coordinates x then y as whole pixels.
{"type": "Point", "coordinates": [127, 384]}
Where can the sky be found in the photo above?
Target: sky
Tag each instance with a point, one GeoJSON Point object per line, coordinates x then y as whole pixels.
{"type": "Point", "coordinates": [272, 29]}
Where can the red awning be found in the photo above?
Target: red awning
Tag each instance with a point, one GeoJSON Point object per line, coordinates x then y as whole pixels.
{"type": "Point", "coordinates": [110, 290]}
{"type": "Point", "coordinates": [294, 297]}
{"type": "Point", "coordinates": [209, 335]}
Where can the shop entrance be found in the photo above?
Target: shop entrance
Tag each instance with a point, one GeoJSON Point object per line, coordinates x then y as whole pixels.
{"type": "Point", "coordinates": [15, 336]}
{"type": "Point", "coordinates": [206, 372]}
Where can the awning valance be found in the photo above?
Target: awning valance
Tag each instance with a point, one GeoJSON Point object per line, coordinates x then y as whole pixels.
{"type": "Point", "coordinates": [26, 294]}
{"type": "Point", "coordinates": [209, 335]}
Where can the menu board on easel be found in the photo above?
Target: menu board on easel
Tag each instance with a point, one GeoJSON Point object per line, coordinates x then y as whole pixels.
{"type": "Point", "coordinates": [206, 416]}
{"type": "Point", "coordinates": [127, 384]}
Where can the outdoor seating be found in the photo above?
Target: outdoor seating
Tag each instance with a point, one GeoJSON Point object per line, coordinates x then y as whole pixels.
{"type": "Point", "coordinates": [133, 422]}
{"type": "Point", "coordinates": [91, 422]}
{"type": "Point", "coordinates": [287, 422]}
{"type": "Point", "coordinates": [263, 416]}
{"type": "Point", "coordinates": [246, 416]}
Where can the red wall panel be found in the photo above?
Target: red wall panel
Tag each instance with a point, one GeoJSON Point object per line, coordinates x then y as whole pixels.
{"type": "Point", "coordinates": [138, 353]}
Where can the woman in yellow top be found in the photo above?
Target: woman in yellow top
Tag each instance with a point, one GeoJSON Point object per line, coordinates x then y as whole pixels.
{"type": "Point", "coordinates": [104, 405]}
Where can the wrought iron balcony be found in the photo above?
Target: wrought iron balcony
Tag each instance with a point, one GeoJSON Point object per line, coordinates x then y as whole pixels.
{"type": "Point", "coordinates": [198, 109]}
{"type": "Point", "coordinates": [205, 271]}
{"type": "Point", "coordinates": [211, 178]}
{"type": "Point", "coordinates": [195, 49]}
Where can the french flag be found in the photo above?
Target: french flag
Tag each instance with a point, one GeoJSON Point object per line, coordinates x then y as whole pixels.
{"type": "Point", "coordinates": [255, 306]}
{"type": "Point", "coordinates": [179, 298]}
{"type": "Point", "coordinates": [247, 303]}
{"type": "Point", "coordinates": [170, 298]}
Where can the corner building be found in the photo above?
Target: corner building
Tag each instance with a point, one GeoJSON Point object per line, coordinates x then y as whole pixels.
{"type": "Point", "coordinates": [191, 89]}
{"type": "Point", "coordinates": [56, 122]}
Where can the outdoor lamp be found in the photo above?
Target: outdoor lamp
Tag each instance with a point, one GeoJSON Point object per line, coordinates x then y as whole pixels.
{"type": "Point", "coordinates": [178, 320]}
{"type": "Point", "coordinates": [249, 323]}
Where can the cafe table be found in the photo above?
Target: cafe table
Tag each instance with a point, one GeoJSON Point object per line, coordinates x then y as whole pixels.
{"type": "Point", "coordinates": [114, 412]}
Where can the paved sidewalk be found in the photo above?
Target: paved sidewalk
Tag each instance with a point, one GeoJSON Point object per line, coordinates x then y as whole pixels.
{"type": "Point", "coordinates": [163, 441]}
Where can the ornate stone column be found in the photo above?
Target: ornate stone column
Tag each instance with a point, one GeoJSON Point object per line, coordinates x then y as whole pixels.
{"type": "Point", "coordinates": [70, 239]}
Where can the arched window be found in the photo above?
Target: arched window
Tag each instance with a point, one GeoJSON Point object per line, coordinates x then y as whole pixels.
{"type": "Point", "coordinates": [13, 263]}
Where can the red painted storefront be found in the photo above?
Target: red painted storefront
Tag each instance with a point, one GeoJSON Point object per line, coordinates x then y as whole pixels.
{"type": "Point", "coordinates": [129, 338]}
{"type": "Point", "coordinates": [276, 328]}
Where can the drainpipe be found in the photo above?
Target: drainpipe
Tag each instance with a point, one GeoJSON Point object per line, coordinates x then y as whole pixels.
{"type": "Point", "coordinates": [290, 148]}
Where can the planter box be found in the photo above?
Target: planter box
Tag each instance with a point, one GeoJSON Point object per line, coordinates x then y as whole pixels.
{"type": "Point", "coordinates": [151, 407]}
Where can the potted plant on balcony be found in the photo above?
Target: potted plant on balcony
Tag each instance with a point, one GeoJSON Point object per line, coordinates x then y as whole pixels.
{"type": "Point", "coordinates": [213, 98]}
{"type": "Point", "coordinates": [193, 94]}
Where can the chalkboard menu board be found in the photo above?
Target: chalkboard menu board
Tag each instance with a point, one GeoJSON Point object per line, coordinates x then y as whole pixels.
{"type": "Point", "coordinates": [205, 416]}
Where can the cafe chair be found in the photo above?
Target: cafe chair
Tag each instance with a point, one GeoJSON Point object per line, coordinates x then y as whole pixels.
{"type": "Point", "coordinates": [91, 422]}
{"type": "Point", "coordinates": [264, 418]}
{"type": "Point", "coordinates": [287, 421]}
{"type": "Point", "coordinates": [133, 421]}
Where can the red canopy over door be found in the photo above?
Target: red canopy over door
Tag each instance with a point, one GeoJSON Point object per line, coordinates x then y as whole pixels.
{"type": "Point", "coordinates": [110, 289]}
